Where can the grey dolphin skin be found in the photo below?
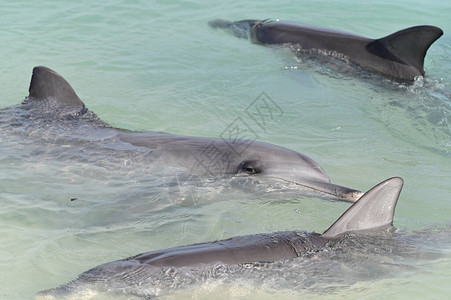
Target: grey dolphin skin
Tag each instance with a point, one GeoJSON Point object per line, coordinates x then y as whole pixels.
{"type": "Point", "coordinates": [52, 98]}
{"type": "Point", "coordinates": [399, 55]}
{"type": "Point", "coordinates": [373, 211]}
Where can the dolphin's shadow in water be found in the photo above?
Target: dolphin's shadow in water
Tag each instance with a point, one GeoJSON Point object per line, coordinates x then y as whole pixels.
{"type": "Point", "coordinates": [418, 113]}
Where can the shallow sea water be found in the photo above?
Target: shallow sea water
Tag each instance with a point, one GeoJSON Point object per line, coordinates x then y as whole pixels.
{"type": "Point", "coordinates": [156, 65]}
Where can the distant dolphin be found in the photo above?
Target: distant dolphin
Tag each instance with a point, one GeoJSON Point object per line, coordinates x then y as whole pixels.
{"type": "Point", "coordinates": [54, 106]}
{"type": "Point", "coordinates": [398, 56]}
{"type": "Point", "coordinates": [373, 211]}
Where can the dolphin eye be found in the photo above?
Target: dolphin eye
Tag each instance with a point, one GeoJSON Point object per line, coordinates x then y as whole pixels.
{"type": "Point", "coordinates": [249, 170]}
{"type": "Point", "coordinates": [249, 167]}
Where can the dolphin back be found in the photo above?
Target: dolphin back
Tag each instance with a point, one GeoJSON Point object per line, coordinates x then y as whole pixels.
{"type": "Point", "coordinates": [399, 55]}
{"type": "Point", "coordinates": [408, 46]}
{"type": "Point", "coordinates": [376, 208]}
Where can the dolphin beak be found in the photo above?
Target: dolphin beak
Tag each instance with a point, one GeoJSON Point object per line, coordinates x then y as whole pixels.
{"type": "Point", "coordinates": [336, 191]}
{"type": "Point", "coordinates": [325, 188]}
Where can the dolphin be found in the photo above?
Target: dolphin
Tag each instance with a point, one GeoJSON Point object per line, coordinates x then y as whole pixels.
{"type": "Point", "coordinates": [54, 106]}
{"type": "Point", "coordinates": [398, 56]}
{"type": "Point", "coordinates": [374, 211]}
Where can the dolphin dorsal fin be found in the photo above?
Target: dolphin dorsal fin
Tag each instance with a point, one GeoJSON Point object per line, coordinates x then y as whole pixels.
{"type": "Point", "coordinates": [46, 84]}
{"type": "Point", "coordinates": [408, 46]}
{"type": "Point", "coordinates": [374, 209]}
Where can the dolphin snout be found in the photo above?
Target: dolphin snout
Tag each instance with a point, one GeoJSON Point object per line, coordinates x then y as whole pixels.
{"type": "Point", "coordinates": [336, 191]}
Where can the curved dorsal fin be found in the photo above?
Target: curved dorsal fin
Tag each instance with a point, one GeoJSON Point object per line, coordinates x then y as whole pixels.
{"type": "Point", "coordinates": [408, 46]}
{"type": "Point", "coordinates": [374, 209]}
{"type": "Point", "coordinates": [47, 84]}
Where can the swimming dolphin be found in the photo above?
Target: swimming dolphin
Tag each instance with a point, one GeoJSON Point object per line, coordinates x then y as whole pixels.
{"type": "Point", "coordinates": [52, 101]}
{"type": "Point", "coordinates": [373, 211]}
{"type": "Point", "coordinates": [399, 55]}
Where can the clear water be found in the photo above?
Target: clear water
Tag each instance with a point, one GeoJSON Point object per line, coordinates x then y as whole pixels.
{"type": "Point", "coordinates": [157, 66]}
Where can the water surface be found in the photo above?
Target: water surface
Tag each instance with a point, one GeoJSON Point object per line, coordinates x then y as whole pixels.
{"type": "Point", "coordinates": [158, 66]}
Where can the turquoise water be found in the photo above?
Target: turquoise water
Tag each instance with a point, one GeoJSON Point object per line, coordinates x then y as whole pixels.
{"type": "Point", "coordinates": [157, 66]}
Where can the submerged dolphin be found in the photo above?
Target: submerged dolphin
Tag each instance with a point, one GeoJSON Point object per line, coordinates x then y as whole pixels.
{"type": "Point", "coordinates": [373, 211]}
{"type": "Point", "coordinates": [398, 56]}
{"type": "Point", "coordinates": [52, 101]}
